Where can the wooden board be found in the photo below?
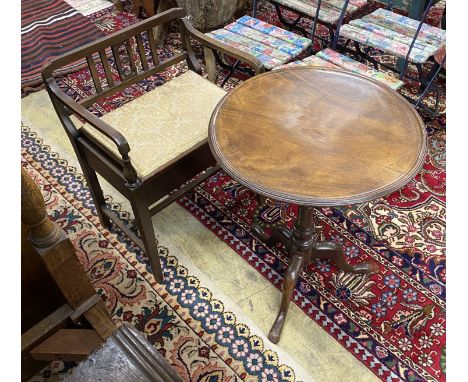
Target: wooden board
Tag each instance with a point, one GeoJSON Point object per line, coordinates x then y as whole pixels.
{"type": "Point", "coordinates": [68, 345]}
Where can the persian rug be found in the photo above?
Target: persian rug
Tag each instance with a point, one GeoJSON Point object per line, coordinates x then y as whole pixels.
{"type": "Point", "coordinates": [393, 320]}
{"type": "Point", "coordinates": [200, 334]}
{"type": "Point", "coordinates": [50, 28]}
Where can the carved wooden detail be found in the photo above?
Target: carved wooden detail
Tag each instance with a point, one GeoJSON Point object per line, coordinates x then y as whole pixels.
{"type": "Point", "coordinates": [58, 255]}
{"type": "Point", "coordinates": [42, 232]}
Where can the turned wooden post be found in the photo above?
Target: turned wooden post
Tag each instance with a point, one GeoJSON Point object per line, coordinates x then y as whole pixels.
{"type": "Point", "coordinates": [58, 255]}
{"type": "Point", "coordinates": [210, 64]}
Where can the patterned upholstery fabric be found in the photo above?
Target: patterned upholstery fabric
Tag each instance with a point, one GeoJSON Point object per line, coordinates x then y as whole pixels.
{"type": "Point", "coordinates": [357, 67]}
{"type": "Point", "coordinates": [163, 123]}
{"type": "Point", "coordinates": [272, 30]}
{"type": "Point", "coordinates": [330, 10]}
{"type": "Point", "coordinates": [273, 46]}
{"type": "Point", "coordinates": [406, 26]}
{"type": "Point", "coordinates": [332, 59]}
{"type": "Point", "coordinates": [393, 34]}
{"type": "Point", "coordinates": [308, 61]}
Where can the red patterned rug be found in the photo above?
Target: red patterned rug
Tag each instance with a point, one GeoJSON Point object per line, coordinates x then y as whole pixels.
{"type": "Point", "coordinates": [50, 28]}
{"type": "Point", "coordinates": [394, 320]}
{"type": "Point", "coordinates": [200, 335]}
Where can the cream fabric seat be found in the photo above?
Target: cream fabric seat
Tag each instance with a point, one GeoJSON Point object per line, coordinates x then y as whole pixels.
{"type": "Point", "coordinates": [164, 123]}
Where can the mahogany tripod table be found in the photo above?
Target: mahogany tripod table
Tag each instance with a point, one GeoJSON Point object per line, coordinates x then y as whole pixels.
{"type": "Point", "coordinates": [315, 137]}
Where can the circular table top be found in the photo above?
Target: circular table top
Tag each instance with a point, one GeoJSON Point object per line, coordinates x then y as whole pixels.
{"type": "Point", "coordinates": [317, 137]}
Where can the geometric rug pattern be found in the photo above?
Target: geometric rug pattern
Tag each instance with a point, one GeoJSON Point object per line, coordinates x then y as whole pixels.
{"type": "Point", "coordinates": [200, 336]}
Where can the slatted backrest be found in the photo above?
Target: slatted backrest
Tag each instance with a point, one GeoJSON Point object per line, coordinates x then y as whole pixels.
{"type": "Point", "coordinates": [114, 62]}
{"type": "Point", "coordinates": [119, 60]}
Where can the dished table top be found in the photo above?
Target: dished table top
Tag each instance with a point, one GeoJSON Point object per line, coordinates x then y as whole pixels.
{"type": "Point", "coordinates": [317, 137]}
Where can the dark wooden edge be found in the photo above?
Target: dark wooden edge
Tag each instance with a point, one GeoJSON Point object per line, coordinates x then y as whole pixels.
{"type": "Point", "coordinates": [212, 43]}
{"type": "Point", "coordinates": [187, 168]}
{"type": "Point", "coordinates": [84, 307]}
{"type": "Point", "coordinates": [140, 351]}
{"type": "Point", "coordinates": [312, 201]}
{"type": "Point", "coordinates": [105, 163]}
{"type": "Point", "coordinates": [45, 327]}
{"type": "Point", "coordinates": [67, 345]}
{"type": "Point", "coordinates": [103, 127]}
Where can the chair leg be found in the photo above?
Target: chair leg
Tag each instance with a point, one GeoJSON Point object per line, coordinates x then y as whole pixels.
{"type": "Point", "coordinates": [292, 25]}
{"type": "Point", "coordinates": [145, 226]}
{"type": "Point", "coordinates": [359, 53]}
{"type": "Point", "coordinates": [210, 64]}
{"type": "Point", "coordinates": [429, 83]}
{"type": "Point", "coordinates": [148, 5]}
{"type": "Point", "coordinates": [261, 199]}
{"type": "Point", "coordinates": [421, 77]}
{"type": "Point", "coordinates": [160, 31]}
{"type": "Point", "coordinates": [231, 72]}
{"type": "Point", "coordinates": [96, 191]}
{"type": "Point", "coordinates": [136, 7]}
{"type": "Point", "coordinates": [331, 33]}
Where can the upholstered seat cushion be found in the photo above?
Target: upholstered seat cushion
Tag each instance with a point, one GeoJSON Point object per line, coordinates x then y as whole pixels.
{"type": "Point", "coordinates": [332, 59]}
{"type": "Point", "coordinates": [164, 123]}
{"type": "Point", "coordinates": [330, 10]}
{"type": "Point", "coordinates": [393, 34]}
{"type": "Point", "coordinates": [272, 45]}
{"type": "Point", "coordinates": [308, 61]}
{"type": "Point", "coordinates": [354, 66]}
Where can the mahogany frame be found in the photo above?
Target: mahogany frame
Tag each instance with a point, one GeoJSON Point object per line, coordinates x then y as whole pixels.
{"type": "Point", "coordinates": [171, 180]}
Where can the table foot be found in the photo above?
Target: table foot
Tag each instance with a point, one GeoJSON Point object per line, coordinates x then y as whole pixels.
{"type": "Point", "coordinates": [334, 252]}
{"type": "Point", "coordinates": [289, 282]}
{"type": "Point", "coordinates": [279, 235]}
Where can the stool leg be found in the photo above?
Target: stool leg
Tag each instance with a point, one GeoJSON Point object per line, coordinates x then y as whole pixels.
{"type": "Point", "coordinates": [148, 5]}
{"type": "Point", "coordinates": [160, 31]}
{"type": "Point", "coordinates": [136, 7]}
{"type": "Point", "coordinates": [145, 226]}
{"type": "Point", "coordinates": [302, 241]}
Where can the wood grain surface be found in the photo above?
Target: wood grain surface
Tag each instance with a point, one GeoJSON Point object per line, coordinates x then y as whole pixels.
{"type": "Point", "coordinates": [317, 137]}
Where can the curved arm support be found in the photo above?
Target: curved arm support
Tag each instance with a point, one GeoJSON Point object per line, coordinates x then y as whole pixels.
{"type": "Point", "coordinates": [104, 128]}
